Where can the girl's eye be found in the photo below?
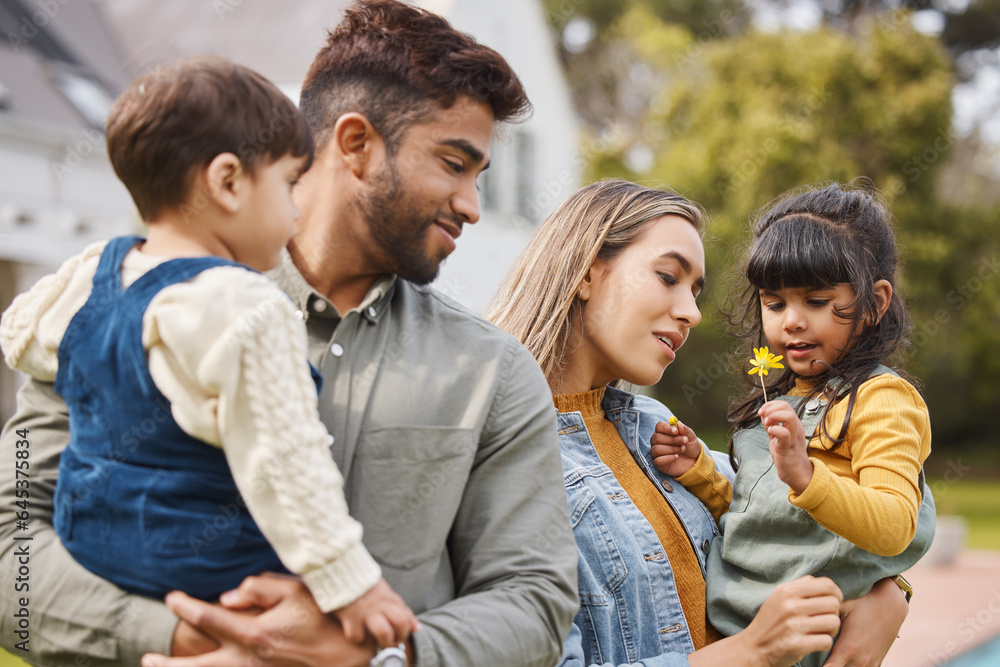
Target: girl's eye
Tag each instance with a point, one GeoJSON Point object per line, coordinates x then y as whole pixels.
{"type": "Point", "coordinates": [774, 306]}
{"type": "Point", "coordinates": [818, 303]}
{"type": "Point", "coordinates": [667, 278]}
{"type": "Point", "coordinates": [454, 166]}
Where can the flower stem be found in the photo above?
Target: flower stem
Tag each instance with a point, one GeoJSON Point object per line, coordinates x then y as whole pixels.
{"type": "Point", "coordinates": [762, 387]}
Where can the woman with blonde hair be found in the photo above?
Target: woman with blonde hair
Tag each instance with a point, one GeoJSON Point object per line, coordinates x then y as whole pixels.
{"type": "Point", "coordinates": [603, 296]}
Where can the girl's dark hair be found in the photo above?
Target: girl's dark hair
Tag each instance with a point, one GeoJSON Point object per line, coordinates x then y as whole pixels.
{"type": "Point", "coordinates": [821, 237]}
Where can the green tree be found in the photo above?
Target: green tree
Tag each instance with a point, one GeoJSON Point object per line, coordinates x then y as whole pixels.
{"type": "Point", "coordinates": [735, 121]}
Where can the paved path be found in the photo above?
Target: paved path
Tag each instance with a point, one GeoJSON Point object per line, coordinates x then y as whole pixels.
{"type": "Point", "coordinates": [954, 608]}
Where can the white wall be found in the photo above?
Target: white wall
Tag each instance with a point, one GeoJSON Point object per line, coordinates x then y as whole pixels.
{"type": "Point", "coordinates": [517, 29]}
{"type": "Point", "coordinates": [58, 194]}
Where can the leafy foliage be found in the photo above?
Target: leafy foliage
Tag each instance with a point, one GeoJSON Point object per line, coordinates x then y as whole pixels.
{"type": "Point", "coordinates": [735, 118]}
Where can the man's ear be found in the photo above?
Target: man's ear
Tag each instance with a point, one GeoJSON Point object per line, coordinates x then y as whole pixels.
{"type": "Point", "coordinates": [883, 296]}
{"type": "Point", "coordinates": [355, 142]}
{"type": "Point", "coordinates": [224, 181]}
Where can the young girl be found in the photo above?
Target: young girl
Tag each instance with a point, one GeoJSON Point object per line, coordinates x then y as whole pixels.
{"type": "Point", "coordinates": [830, 460]}
{"type": "Point", "coordinates": [184, 369]}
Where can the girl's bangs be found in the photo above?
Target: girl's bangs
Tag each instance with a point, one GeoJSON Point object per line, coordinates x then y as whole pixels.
{"type": "Point", "coordinates": [799, 251]}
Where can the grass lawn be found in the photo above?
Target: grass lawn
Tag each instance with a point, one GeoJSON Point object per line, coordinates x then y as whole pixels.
{"type": "Point", "coordinates": [975, 499]}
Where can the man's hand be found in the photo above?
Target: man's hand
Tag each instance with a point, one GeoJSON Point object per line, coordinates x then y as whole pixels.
{"type": "Point", "coordinates": [189, 640]}
{"type": "Point", "coordinates": [868, 626]}
{"type": "Point", "coordinates": [787, 444]}
{"type": "Point", "coordinates": [674, 448]}
{"type": "Point", "coordinates": [291, 629]}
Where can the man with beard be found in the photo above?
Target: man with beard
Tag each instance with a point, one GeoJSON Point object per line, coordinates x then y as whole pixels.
{"type": "Point", "coordinates": [442, 425]}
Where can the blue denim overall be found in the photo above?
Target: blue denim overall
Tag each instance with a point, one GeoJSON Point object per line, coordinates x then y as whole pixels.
{"type": "Point", "coordinates": [766, 540]}
{"type": "Point", "coordinates": [139, 502]}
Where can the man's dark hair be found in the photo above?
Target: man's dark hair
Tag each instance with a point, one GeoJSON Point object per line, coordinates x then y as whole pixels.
{"type": "Point", "coordinates": [177, 119]}
{"type": "Point", "coordinates": [397, 64]}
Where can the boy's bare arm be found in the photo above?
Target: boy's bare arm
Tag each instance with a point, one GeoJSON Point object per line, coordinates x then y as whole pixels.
{"type": "Point", "coordinates": [71, 612]}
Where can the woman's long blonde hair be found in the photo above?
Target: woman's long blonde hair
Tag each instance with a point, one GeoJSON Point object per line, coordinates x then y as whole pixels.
{"type": "Point", "coordinates": [538, 301]}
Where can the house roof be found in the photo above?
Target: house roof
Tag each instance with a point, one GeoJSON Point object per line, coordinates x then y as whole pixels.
{"type": "Point", "coordinates": [60, 62]}
{"type": "Point", "coordinates": [279, 40]}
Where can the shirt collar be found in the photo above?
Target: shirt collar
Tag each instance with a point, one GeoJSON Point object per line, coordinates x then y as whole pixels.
{"type": "Point", "coordinates": [290, 279]}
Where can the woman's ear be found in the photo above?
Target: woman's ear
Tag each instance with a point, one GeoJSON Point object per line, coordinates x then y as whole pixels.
{"type": "Point", "coordinates": [224, 181]}
{"type": "Point", "coordinates": [354, 141]}
{"type": "Point", "coordinates": [883, 296]}
{"type": "Point", "coordinates": [594, 273]}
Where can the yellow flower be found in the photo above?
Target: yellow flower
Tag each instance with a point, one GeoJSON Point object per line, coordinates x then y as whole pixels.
{"type": "Point", "coordinates": [764, 361]}
{"type": "Point", "coordinates": [672, 421]}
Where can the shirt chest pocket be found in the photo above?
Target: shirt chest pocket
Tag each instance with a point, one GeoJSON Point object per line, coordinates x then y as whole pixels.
{"type": "Point", "coordinates": [406, 486]}
{"type": "Point", "coordinates": [601, 568]}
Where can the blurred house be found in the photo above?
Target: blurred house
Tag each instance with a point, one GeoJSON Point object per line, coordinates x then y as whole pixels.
{"type": "Point", "coordinates": [60, 69]}
{"type": "Point", "coordinates": [63, 62]}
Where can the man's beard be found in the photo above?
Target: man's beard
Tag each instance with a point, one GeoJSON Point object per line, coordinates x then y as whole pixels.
{"type": "Point", "coordinates": [398, 228]}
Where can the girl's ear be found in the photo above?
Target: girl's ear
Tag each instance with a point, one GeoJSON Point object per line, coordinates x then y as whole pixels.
{"type": "Point", "coordinates": [224, 181]}
{"type": "Point", "coordinates": [883, 296]}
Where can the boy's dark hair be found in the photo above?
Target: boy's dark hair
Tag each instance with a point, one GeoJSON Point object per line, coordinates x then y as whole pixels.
{"type": "Point", "coordinates": [819, 238]}
{"type": "Point", "coordinates": [397, 64]}
{"type": "Point", "coordinates": [177, 119]}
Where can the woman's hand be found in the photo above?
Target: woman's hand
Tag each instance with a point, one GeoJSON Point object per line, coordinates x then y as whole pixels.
{"type": "Point", "coordinates": [788, 444]}
{"type": "Point", "coordinates": [291, 629]}
{"type": "Point", "coordinates": [674, 448]}
{"type": "Point", "coordinates": [869, 625]}
{"type": "Point", "coordinates": [798, 618]}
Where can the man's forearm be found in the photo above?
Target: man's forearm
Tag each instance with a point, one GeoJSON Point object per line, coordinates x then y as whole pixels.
{"type": "Point", "coordinates": [516, 626]}
{"type": "Point", "coordinates": [70, 613]}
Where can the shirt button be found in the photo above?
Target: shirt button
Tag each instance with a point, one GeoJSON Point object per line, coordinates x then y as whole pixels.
{"type": "Point", "coordinates": [300, 315]}
{"type": "Point", "coordinates": [319, 305]}
{"type": "Point", "coordinates": [329, 440]}
{"type": "Point", "coordinates": [371, 311]}
{"type": "Point", "coordinates": [667, 486]}
{"type": "Point", "coordinates": [337, 350]}
{"type": "Point", "coordinates": [706, 545]}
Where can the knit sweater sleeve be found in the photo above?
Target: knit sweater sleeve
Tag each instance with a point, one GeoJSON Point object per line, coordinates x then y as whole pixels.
{"type": "Point", "coordinates": [709, 485]}
{"type": "Point", "coordinates": [889, 439]}
{"type": "Point", "coordinates": [228, 352]}
{"type": "Point", "coordinates": [35, 323]}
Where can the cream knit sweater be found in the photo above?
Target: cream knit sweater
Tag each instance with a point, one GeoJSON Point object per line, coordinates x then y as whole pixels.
{"type": "Point", "coordinates": [228, 351]}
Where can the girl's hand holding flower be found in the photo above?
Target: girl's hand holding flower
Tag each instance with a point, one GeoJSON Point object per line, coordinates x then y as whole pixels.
{"type": "Point", "coordinates": [675, 447]}
{"type": "Point", "coordinates": [787, 444]}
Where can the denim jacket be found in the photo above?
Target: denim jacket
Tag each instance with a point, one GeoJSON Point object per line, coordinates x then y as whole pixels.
{"type": "Point", "coordinates": [630, 612]}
